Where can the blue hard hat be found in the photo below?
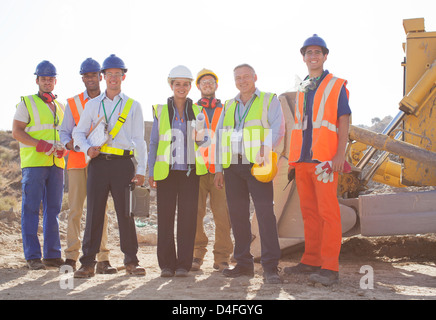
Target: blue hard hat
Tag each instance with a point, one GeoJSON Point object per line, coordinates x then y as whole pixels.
{"type": "Point", "coordinates": [113, 62]}
{"type": "Point", "coordinates": [45, 69]}
{"type": "Point", "coordinates": [314, 40]}
{"type": "Point", "coordinates": [89, 65]}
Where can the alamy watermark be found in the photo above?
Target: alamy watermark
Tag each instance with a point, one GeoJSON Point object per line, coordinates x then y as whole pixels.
{"type": "Point", "coordinates": [367, 281]}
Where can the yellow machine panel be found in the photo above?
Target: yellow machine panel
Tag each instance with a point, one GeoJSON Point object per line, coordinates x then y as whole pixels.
{"type": "Point", "coordinates": [419, 104]}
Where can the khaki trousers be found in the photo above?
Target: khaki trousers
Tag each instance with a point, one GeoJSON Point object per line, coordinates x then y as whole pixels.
{"type": "Point", "coordinates": [223, 246]}
{"type": "Point", "coordinates": [76, 199]}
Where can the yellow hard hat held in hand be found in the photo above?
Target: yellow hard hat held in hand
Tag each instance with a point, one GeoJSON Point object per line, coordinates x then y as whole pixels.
{"type": "Point", "coordinates": [266, 171]}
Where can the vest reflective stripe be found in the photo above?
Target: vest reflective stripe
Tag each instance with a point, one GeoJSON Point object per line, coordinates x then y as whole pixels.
{"type": "Point", "coordinates": [254, 131]}
{"type": "Point", "coordinates": [208, 153]}
{"type": "Point", "coordinates": [74, 102]}
{"type": "Point", "coordinates": [163, 153]}
{"type": "Point", "coordinates": [41, 127]}
{"type": "Point", "coordinates": [76, 160]}
{"type": "Point", "coordinates": [117, 127]}
{"type": "Point", "coordinates": [324, 121]}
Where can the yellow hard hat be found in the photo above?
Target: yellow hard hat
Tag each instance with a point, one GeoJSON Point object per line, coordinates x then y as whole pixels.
{"type": "Point", "coordinates": [266, 173]}
{"type": "Point", "coordinates": [204, 72]}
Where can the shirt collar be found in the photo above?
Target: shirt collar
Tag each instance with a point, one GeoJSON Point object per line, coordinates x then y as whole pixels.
{"type": "Point", "coordinates": [85, 95]}
{"type": "Point", "coordinates": [238, 96]}
{"type": "Point", "coordinates": [103, 96]}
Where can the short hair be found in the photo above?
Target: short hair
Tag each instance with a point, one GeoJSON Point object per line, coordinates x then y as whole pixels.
{"type": "Point", "coordinates": [244, 65]}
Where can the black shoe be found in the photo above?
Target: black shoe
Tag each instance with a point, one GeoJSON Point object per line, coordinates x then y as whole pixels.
{"type": "Point", "coordinates": [71, 263]}
{"type": "Point", "coordinates": [181, 272]}
{"type": "Point", "coordinates": [167, 273]}
{"type": "Point", "coordinates": [55, 262]}
{"type": "Point", "coordinates": [238, 271]}
{"type": "Point", "coordinates": [35, 264]}
{"type": "Point", "coordinates": [301, 268]}
{"type": "Point", "coordinates": [104, 267]}
{"type": "Point", "coordinates": [325, 277]}
{"type": "Point", "coordinates": [272, 276]}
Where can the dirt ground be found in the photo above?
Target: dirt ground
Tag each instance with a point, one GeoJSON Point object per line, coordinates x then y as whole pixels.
{"type": "Point", "coordinates": [382, 268]}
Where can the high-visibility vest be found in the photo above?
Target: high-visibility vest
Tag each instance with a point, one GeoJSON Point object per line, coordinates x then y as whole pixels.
{"type": "Point", "coordinates": [76, 160]}
{"type": "Point", "coordinates": [254, 130]}
{"type": "Point", "coordinates": [324, 121]}
{"type": "Point", "coordinates": [163, 154]}
{"type": "Point", "coordinates": [42, 126]}
{"type": "Point", "coordinates": [208, 153]}
{"type": "Point", "coordinates": [117, 127]}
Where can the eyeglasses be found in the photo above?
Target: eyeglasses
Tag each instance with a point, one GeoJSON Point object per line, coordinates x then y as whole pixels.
{"type": "Point", "coordinates": [114, 75]}
{"type": "Point", "coordinates": [313, 52]}
{"type": "Point", "coordinates": [207, 82]}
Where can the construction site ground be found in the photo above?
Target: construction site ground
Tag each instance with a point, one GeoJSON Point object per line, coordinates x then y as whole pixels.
{"type": "Point", "coordinates": [376, 268]}
{"type": "Point", "coordinates": [382, 268]}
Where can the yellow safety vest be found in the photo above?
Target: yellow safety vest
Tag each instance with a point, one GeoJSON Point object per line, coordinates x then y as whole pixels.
{"type": "Point", "coordinates": [163, 154]}
{"type": "Point", "coordinates": [42, 126]}
{"type": "Point", "coordinates": [255, 124]}
{"type": "Point", "coordinates": [121, 119]}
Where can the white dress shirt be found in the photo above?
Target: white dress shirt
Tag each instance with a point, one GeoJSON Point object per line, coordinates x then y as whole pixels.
{"type": "Point", "coordinates": [131, 135]}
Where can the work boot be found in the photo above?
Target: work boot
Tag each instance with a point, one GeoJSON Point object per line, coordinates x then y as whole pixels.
{"type": "Point", "coordinates": [35, 264]}
{"type": "Point", "coordinates": [166, 273]}
{"type": "Point", "coordinates": [272, 276]}
{"type": "Point", "coordinates": [220, 266]}
{"type": "Point", "coordinates": [55, 262]}
{"type": "Point", "coordinates": [71, 263]}
{"type": "Point", "coordinates": [181, 272]}
{"type": "Point", "coordinates": [196, 264]}
{"type": "Point", "coordinates": [104, 267]}
{"type": "Point", "coordinates": [135, 269]}
{"type": "Point", "coordinates": [85, 272]}
{"type": "Point", "coordinates": [238, 271]}
{"type": "Point", "coordinates": [301, 268]}
{"type": "Point", "coordinates": [325, 277]}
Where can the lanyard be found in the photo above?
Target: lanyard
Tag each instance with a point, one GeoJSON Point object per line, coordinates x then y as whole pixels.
{"type": "Point", "coordinates": [107, 120]}
{"type": "Point", "coordinates": [246, 110]}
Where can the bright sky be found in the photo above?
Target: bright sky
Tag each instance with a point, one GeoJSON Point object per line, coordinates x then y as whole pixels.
{"type": "Point", "coordinates": [365, 41]}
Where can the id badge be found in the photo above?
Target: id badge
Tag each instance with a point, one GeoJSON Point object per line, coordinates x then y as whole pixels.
{"type": "Point", "coordinates": [236, 136]}
{"type": "Point", "coordinates": [305, 122]}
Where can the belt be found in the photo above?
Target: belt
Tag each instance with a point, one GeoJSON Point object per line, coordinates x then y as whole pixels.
{"type": "Point", "coordinates": [115, 151]}
{"type": "Point", "coordinates": [105, 156]}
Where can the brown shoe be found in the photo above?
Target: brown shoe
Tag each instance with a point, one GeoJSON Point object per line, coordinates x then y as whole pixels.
{"type": "Point", "coordinates": [84, 272]}
{"type": "Point", "coordinates": [134, 269]}
{"type": "Point", "coordinates": [104, 267]}
{"type": "Point", "coordinates": [54, 262]}
{"type": "Point", "coordinates": [196, 264]}
{"type": "Point", "coordinates": [220, 266]}
{"type": "Point", "coordinates": [71, 263]}
{"type": "Point", "coordinates": [35, 264]}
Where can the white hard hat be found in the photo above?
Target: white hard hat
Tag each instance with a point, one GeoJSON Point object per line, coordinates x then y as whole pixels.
{"type": "Point", "coordinates": [180, 72]}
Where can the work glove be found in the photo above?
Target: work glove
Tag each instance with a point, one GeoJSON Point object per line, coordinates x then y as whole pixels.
{"type": "Point", "coordinates": [46, 147]}
{"type": "Point", "coordinates": [324, 172]}
{"type": "Point", "coordinates": [60, 150]}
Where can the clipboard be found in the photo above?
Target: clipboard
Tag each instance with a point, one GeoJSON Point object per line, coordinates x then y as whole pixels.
{"type": "Point", "coordinates": [98, 136]}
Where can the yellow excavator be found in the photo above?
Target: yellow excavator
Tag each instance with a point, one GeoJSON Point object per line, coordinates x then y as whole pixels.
{"type": "Point", "coordinates": [402, 156]}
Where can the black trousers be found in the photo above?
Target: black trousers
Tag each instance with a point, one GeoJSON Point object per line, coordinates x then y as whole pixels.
{"type": "Point", "coordinates": [106, 176]}
{"type": "Point", "coordinates": [181, 191]}
{"type": "Point", "coordinates": [240, 184]}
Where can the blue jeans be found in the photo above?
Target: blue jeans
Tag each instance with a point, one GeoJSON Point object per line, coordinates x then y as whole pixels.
{"type": "Point", "coordinates": [41, 184]}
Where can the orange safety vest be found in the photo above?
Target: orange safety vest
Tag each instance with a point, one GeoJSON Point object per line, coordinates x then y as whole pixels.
{"type": "Point", "coordinates": [76, 160]}
{"type": "Point", "coordinates": [324, 121]}
{"type": "Point", "coordinates": [208, 153]}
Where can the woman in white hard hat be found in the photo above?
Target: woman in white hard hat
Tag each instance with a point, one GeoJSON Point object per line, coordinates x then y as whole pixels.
{"type": "Point", "coordinates": [174, 170]}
